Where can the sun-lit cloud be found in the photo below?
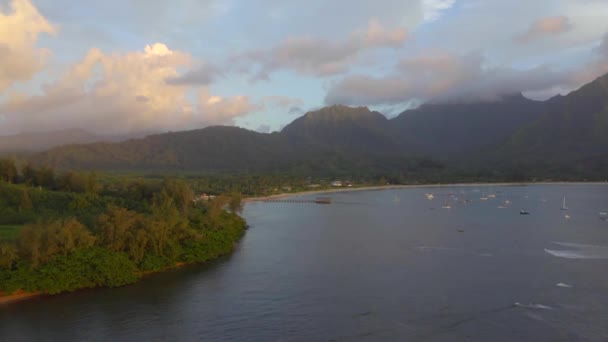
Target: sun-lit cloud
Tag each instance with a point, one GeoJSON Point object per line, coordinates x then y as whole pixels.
{"type": "Point", "coordinates": [20, 26]}
{"type": "Point", "coordinates": [91, 64]}
{"type": "Point", "coordinates": [121, 93]}
{"type": "Point", "coordinates": [545, 27]}
{"type": "Point", "coordinates": [218, 110]}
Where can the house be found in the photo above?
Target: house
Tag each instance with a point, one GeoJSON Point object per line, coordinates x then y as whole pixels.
{"type": "Point", "coordinates": [203, 197]}
{"type": "Point", "coordinates": [336, 183]}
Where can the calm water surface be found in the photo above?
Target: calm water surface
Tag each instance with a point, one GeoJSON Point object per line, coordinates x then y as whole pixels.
{"type": "Point", "coordinates": [375, 265]}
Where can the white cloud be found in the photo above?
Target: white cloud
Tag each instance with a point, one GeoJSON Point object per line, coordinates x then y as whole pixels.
{"type": "Point", "coordinates": [444, 77]}
{"type": "Point", "coordinates": [432, 9]}
{"type": "Point", "coordinates": [263, 129]}
{"type": "Point", "coordinates": [19, 30]}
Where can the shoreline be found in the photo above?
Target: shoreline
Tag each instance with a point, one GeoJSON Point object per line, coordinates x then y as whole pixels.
{"type": "Point", "coordinates": [22, 295]}
{"type": "Point", "coordinates": [18, 296]}
{"type": "Point", "coordinates": [404, 186]}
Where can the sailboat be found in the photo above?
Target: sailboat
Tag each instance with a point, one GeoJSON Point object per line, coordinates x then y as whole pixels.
{"type": "Point", "coordinates": [564, 207]}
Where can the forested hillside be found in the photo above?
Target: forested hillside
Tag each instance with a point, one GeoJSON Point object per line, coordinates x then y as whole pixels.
{"type": "Point", "coordinates": [564, 137]}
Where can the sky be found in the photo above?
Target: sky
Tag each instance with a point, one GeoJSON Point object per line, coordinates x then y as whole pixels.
{"type": "Point", "coordinates": [118, 67]}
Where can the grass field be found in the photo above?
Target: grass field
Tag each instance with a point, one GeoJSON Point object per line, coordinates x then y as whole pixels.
{"type": "Point", "coordinates": [9, 232]}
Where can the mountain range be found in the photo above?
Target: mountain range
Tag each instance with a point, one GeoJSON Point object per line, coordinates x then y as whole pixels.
{"type": "Point", "coordinates": [31, 142]}
{"type": "Point", "coordinates": [565, 134]}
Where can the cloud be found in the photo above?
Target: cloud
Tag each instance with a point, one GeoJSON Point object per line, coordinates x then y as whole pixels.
{"type": "Point", "coordinates": [282, 101]}
{"type": "Point", "coordinates": [217, 110]}
{"type": "Point", "coordinates": [19, 31]}
{"type": "Point", "coordinates": [319, 57]}
{"type": "Point", "coordinates": [444, 77]}
{"type": "Point", "coordinates": [597, 66]}
{"type": "Point", "coordinates": [432, 9]}
{"type": "Point", "coordinates": [263, 129]}
{"type": "Point", "coordinates": [121, 93]}
{"type": "Point", "coordinates": [295, 110]}
{"type": "Point", "coordinates": [203, 75]}
{"type": "Point", "coordinates": [602, 49]}
{"type": "Point", "coordinates": [545, 27]}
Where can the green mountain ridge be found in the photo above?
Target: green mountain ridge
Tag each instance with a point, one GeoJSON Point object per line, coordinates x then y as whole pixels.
{"type": "Point", "coordinates": [564, 132]}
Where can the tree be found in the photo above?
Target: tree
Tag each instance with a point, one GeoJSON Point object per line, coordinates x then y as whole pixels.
{"type": "Point", "coordinates": [92, 185]}
{"type": "Point", "coordinates": [28, 173]}
{"type": "Point", "coordinates": [115, 228]}
{"type": "Point", "coordinates": [45, 177]}
{"type": "Point", "coordinates": [8, 170]}
{"type": "Point", "coordinates": [39, 242]}
{"type": "Point", "coordinates": [235, 203]}
{"type": "Point", "coordinates": [26, 202]}
{"type": "Point", "coordinates": [180, 192]}
{"type": "Point", "coordinates": [215, 207]}
{"type": "Point", "coordinates": [8, 254]}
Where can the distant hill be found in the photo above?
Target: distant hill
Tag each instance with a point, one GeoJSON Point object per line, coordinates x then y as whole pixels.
{"type": "Point", "coordinates": [462, 130]}
{"type": "Point", "coordinates": [40, 141]}
{"type": "Point", "coordinates": [514, 134]}
{"type": "Point", "coordinates": [569, 128]}
{"type": "Point", "coordinates": [29, 142]}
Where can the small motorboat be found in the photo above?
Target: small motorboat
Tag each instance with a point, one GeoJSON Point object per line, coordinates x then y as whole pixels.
{"type": "Point", "coordinates": [524, 212]}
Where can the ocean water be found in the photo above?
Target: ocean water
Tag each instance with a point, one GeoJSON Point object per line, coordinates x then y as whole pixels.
{"type": "Point", "coordinates": [372, 266]}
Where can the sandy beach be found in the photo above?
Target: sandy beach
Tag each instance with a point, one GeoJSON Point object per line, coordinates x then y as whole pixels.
{"type": "Point", "coordinates": [17, 296]}
{"type": "Point", "coordinates": [388, 187]}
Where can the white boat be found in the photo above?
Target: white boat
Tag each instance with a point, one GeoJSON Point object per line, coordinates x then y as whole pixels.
{"type": "Point", "coordinates": [429, 196]}
{"type": "Point", "coordinates": [446, 204]}
{"type": "Point", "coordinates": [567, 217]}
{"type": "Point", "coordinates": [491, 196]}
{"type": "Point", "coordinates": [564, 207]}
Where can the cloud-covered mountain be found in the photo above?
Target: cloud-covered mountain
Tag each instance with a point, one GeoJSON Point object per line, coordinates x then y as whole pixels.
{"type": "Point", "coordinates": [565, 132]}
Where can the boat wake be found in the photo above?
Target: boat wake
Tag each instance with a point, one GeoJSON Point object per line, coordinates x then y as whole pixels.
{"type": "Point", "coordinates": [533, 306]}
{"type": "Point", "coordinates": [579, 251]}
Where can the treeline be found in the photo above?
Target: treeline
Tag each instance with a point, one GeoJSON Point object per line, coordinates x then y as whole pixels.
{"type": "Point", "coordinates": [108, 237]}
{"type": "Point", "coordinates": [47, 177]}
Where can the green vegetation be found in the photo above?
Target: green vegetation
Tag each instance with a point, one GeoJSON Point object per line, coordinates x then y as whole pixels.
{"type": "Point", "coordinates": [9, 232]}
{"type": "Point", "coordinates": [65, 231]}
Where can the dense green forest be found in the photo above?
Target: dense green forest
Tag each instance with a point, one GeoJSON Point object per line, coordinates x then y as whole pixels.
{"type": "Point", "coordinates": [65, 231]}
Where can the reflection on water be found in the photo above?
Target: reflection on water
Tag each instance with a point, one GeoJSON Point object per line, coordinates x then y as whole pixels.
{"type": "Point", "coordinates": [375, 265]}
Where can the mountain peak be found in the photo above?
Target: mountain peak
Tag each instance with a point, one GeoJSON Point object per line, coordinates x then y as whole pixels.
{"type": "Point", "coordinates": [336, 113]}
